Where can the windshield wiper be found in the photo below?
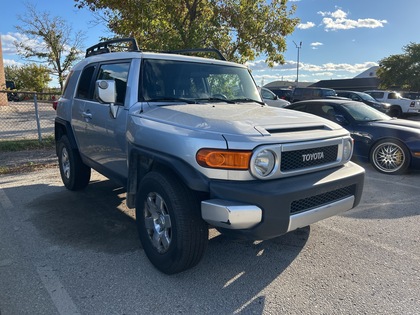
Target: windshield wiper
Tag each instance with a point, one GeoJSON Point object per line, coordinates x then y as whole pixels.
{"type": "Point", "coordinates": [216, 99]}
{"type": "Point", "coordinates": [247, 100]}
{"type": "Point", "coordinates": [172, 99]}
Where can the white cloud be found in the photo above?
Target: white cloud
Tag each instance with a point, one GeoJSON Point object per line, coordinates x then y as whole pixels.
{"type": "Point", "coordinates": [7, 44]}
{"type": "Point", "coordinates": [10, 62]}
{"type": "Point", "coordinates": [304, 26]}
{"type": "Point", "coordinates": [338, 20]}
{"type": "Point", "coordinates": [307, 72]}
{"type": "Point", "coordinates": [315, 45]}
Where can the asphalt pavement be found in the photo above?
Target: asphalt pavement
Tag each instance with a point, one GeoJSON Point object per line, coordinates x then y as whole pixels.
{"type": "Point", "coordinates": [65, 252]}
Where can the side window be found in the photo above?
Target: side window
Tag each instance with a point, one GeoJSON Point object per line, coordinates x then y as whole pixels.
{"type": "Point", "coordinates": [299, 107]}
{"type": "Point", "coordinates": [329, 113]}
{"type": "Point", "coordinates": [392, 96]}
{"type": "Point", "coordinates": [85, 88]}
{"type": "Point", "coordinates": [377, 95]}
{"type": "Point", "coordinates": [297, 92]}
{"type": "Point", "coordinates": [119, 73]}
{"type": "Point", "coordinates": [266, 94]}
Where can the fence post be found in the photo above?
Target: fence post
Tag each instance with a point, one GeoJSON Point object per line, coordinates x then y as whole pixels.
{"type": "Point", "coordinates": [38, 125]}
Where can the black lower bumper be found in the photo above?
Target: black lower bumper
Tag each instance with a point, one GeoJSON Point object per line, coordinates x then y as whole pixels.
{"type": "Point", "coordinates": [282, 198]}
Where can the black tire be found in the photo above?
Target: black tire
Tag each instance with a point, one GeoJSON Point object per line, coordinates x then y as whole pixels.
{"type": "Point", "coordinates": [74, 173]}
{"type": "Point", "coordinates": [390, 156]}
{"type": "Point", "coordinates": [396, 112]}
{"type": "Point", "coordinates": [170, 227]}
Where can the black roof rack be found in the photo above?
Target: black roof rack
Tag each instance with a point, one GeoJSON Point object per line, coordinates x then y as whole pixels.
{"type": "Point", "coordinates": [109, 45]}
{"type": "Point", "coordinates": [198, 50]}
{"type": "Point", "coordinates": [116, 45]}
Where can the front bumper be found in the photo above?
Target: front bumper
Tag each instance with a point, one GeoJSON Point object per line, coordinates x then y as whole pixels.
{"type": "Point", "coordinates": [267, 209]}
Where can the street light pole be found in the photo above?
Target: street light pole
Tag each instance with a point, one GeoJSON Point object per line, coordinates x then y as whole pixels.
{"type": "Point", "coordinates": [297, 67]}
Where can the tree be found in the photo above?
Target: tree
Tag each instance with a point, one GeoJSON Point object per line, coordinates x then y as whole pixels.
{"type": "Point", "coordinates": [30, 77]}
{"type": "Point", "coordinates": [51, 41]}
{"type": "Point", "coordinates": [402, 71]}
{"type": "Point", "coordinates": [240, 29]}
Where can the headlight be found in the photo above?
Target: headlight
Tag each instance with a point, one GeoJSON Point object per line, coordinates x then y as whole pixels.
{"type": "Point", "coordinates": [263, 163]}
{"type": "Point", "coordinates": [347, 149]}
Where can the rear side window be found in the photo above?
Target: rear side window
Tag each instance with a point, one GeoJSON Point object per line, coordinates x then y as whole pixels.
{"type": "Point", "coordinates": [84, 89]}
{"type": "Point", "coordinates": [67, 82]}
{"type": "Point", "coordinates": [329, 93]}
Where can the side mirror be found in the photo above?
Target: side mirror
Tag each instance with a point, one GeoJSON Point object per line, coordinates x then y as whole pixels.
{"type": "Point", "coordinates": [106, 91]}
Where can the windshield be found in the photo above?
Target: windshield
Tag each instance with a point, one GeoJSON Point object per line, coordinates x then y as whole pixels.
{"type": "Point", "coordinates": [363, 112]}
{"type": "Point", "coordinates": [367, 97]}
{"type": "Point", "coordinates": [191, 82]}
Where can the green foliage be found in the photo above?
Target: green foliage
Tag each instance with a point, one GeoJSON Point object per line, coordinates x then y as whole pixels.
{"type": "Point", "coordinates": [30, 77]}
{"type": "Point", "coordinates": [51, 41]}
{"type": "Point", "coordinates": [240, 29]}
{"type": "Point", "coordinates": [401, 71]}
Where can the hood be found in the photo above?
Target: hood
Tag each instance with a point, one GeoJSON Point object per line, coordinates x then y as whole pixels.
{"type": "Point", "coordinates": [398, 124]}
{"type": "Point", "coordinates": [241, 118]}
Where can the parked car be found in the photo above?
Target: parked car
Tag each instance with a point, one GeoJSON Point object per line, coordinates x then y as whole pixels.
{"type": "Point", "coordinates": [365, 98]}
{"type": "Point", "coordinates": [283, 93]}
{"type": "Point", "coordinates": [272, 99]}
{"type": "Point", "coordinates": [400, 106]}
{"type": "Point", "coordinates": [310, 93]}
{"type": "Point", "coordinates": [411, 95]}
{"type": "Point", "coordinates": [11, 96]}
{"type": "Point", "coordinates": [391, 145]}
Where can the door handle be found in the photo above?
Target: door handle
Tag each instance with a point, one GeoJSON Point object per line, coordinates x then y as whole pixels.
{"type": "Point", "coordinates": [87, 116]}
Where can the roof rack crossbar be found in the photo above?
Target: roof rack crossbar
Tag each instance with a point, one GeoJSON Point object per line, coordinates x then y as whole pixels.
{"type": "Point", "coordinates": [197, 50]}
{"type": "Point", "coordinates": [105, 47]}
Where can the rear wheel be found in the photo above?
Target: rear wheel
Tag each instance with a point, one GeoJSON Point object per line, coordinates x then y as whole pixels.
{"type": "Point", "coordinates": [390, 157]}
{"type": "Point", "coordinates": [395, 111]}
{"type": "Point", "coordinates": [74, 173]}
{"type": "Point", "coordinates": [170, 227]}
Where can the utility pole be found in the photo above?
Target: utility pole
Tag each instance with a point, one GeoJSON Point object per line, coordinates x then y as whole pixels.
{"type": "Point", "coordinates": [297, 67]}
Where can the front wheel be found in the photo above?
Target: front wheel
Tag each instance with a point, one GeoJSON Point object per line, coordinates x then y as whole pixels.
{"type": "Point", "coordinates": [170, 227]}
{"type": "Point", "coordinates": [390, 157]}
{"type": "Point", "coordinates": [74, 173]}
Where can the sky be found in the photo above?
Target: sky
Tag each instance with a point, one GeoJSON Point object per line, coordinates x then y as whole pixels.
{"type": "Point", "coordinates": [340, 38]}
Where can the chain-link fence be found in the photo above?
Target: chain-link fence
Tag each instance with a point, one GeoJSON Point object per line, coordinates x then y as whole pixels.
{"type": "Point", "coordinates": [32, 118]}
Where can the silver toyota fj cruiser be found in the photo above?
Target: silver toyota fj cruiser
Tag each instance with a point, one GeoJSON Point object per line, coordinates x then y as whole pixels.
{"type": "Point", "coordinates": [195, 147]}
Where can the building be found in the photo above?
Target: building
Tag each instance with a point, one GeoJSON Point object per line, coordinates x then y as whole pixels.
{"type": "Point", "coordinates": [366, 80]}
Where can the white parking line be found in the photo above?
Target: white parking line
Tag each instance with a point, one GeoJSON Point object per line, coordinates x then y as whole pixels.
{"type": "Point", "coordinates": [392, 180]}
{"type": "Point", "coordinates": [58, 294]}
{"type": "Point", "coordinates": [369, 241]}
{"type": "Point", "coordinates": [5, 201]}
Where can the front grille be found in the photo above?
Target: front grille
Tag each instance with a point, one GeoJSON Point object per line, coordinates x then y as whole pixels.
{"type": "Point", "coordinates": [307, 158]}
{"type": "Point", "coordinates": [321, 199]}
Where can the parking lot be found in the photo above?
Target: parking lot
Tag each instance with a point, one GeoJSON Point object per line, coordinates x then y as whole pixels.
{"type": "Point", "coordinates": [65, 252]}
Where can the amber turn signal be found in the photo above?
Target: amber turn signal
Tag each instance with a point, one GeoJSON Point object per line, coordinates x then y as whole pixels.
{"type": "Point", "coordinates": [224, 159]}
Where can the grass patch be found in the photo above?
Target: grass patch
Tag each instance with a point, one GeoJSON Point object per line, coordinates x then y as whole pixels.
{"type": "Point", "coordinates": [26, 145]}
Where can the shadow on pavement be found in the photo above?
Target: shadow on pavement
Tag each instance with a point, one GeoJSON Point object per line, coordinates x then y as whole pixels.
{"type": "Point", "coordinates": [229, 279]}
